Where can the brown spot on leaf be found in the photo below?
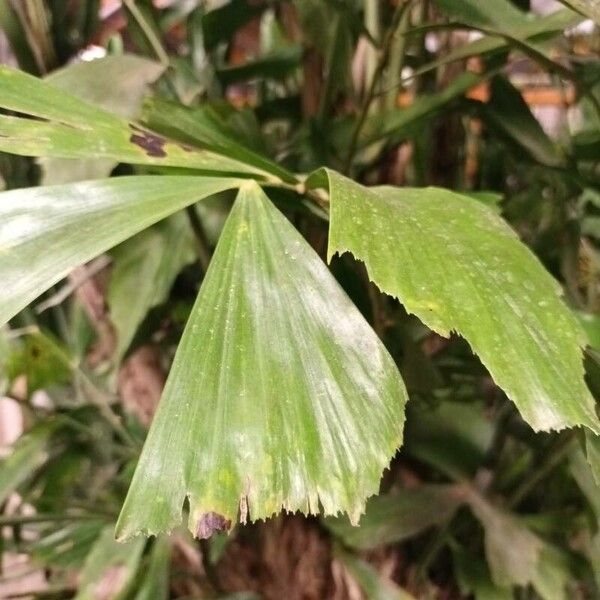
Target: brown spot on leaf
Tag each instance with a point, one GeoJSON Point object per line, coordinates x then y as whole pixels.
{"type": "Point", "coordinates": [150, 142]}
{"type": "Point", "coordinates": [210, 523]}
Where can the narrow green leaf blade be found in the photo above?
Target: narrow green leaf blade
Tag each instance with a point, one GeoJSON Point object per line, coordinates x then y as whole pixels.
{"type": "Point", "coordinates": [155, 583]}
{"type": "Point", "coordinates": [79, 221]}
{"type": "Point", "coordinates": [458, 267]}
{"type": "Point", "coordinates": [528, 34]}
{"type": "Point", "coordinates": [399, 121]}
{"type": "Point", "coordinates": [15, 35]}
{"type": "Point", "coordinates": [592, 451]}
{"type": "Point", "coordinates": [124, 142]}
{"type": "Point", "coordinates": [145, 267]}
{"type": "Point", "coordinates": [114, 83]}
{"type": "Point", "coordinates": [589, 8]}
{"type": "Point", "coordinates": [502, 20]}
{"type": "Point", "coordinates": [202, 127]}
{"type": "Point", "coordinates": [399, 516]}
{"type": "Point", "coordinates": [30, 95]}
{"type": "Point", "coordinates": [68, 127]}
{"type": "Point", "coordinates": [512, 551]}
{"type": "Point", "coordinates": [500, 13]}
{"type": "Point", "coordinates": [508, 112]}
{"type": "Point", "coordinates": [109, 568]}
{"type": "Point", "coordinates": [474, 577]}
{"type": "Point", "coordinates": [375, 585]}
{"type": "Point", "coordinates": [280, 395]}
{"type": "Point", "coordinates": [27, 454]}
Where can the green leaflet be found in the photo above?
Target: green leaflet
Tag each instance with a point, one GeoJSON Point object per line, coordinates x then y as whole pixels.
{"type": "Point", "coordinates": [517, 556]}
{"type": "Point", "coordinates": [500, 13]}
{"type": "Point", "coordinates": [204, 127]}
{"type": "Point", "coordinates": [145, 267]}
{"type": "Point", "coordinates": [587, 481]}
{"type": "Point", "coordinates": [114, 83]}
{"type": "Point", "coordinates": [508, 112]}
{"type": "Point", "coordinates": [395, 123]}
{"type": "Point", "coordinates": [504, 19]}
{"type": "Point", "coordinates": [459, 267]}
{"type": "Point", "coordinates": [474, 577]}
{"type": "Point", "coordinates": [590, 8]}
{"type": "Point", "coordinates": [280, 394]}
{"type": "Point", "coordinates": [375, 585]}
{"type": "Point", "coordinates": [41, 359]}
{"type": "Point", "coordinates": [527, 34]}
{"type": "Point", "coordinates": [72, 128]}
{"type": "Point", "coordinates": [219, 24]}
{"type": "Point", "coordinates": [553, 574]}
{"type": "Point", "coordinates": [398, 516]}
{"type": "Point", "coordinates": [79, 221]}
{"type": "Point", "coordinates": [155, 581]}
{"type": "Point", "coordinates": [276, 65]}
{"type": "Point", "coordinates": [68, 545]}
{"type": "Point", "coordinates": [109, 568]}
{"type": "Point", "coordinates": [453, 437]}
{"type": "Point", "coordinates": [592, 451]}
{"type": "Point", "coordinates": [512, 551]}
{"type": "Point", "coordinates": [5, 348]}
{"type": "Point", "coordinates": [13, 30]}
{"type": "Point", "coordinates": [27, 454]}
{"type": "Point", "coordinates": [584, 475]}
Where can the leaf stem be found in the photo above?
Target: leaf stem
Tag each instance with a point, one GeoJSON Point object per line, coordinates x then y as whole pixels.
{"type": "Point", "coordinates": [153, 40]}
{"type": "Point", "coordinates": [372, 23]}
{"type": "Point", "coordinates": [397, 59]}
{"type": "Point", "coordinates": [383, 59]}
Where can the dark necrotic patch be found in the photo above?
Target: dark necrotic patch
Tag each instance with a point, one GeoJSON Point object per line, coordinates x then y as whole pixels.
{"type": "Point", "coordinates": [150, 142]}
{"type": "Point", "coordinates": [210, 523]}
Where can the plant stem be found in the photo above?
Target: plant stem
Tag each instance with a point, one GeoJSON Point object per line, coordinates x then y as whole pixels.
{"type": "Point", "coordinates": [396, 60]}
{"type": "Point", "coordinates": [373, 26]}
{"type": "Point", "coordinates": [153, 40]}
{"type": "Point", "coordinates": [34, 21]}
{"type": "Point", "coordinates": [420, 43]}
{"type": "Point", "coordinates": [383, 59]}
{"type": "Point", "coordinates": [551, 459]}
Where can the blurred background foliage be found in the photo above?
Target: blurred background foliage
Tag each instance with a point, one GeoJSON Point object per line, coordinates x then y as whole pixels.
{"type": "Point", "coordinates": [498, 99]}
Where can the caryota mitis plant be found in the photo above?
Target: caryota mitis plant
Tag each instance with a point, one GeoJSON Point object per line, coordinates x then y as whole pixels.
{"type": "Point", "coordinates": [330, 292]}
